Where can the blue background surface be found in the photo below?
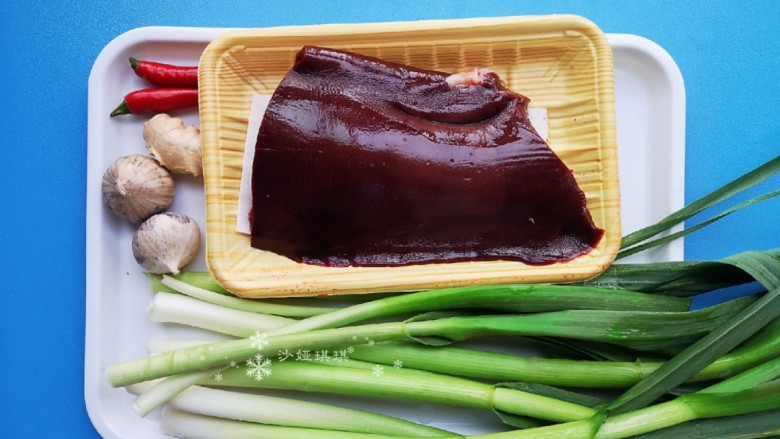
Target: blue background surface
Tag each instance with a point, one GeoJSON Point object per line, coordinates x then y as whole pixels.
{"type": "Point", "coordinates": [728, 52]}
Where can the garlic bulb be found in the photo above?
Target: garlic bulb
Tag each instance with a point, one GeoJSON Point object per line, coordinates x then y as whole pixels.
{"type": "Point", "coordinates": [166, 242]}
{"type": "Point", "coordinates": [136, 187]}
{"type": "Point", "coordinates": [175, 146]}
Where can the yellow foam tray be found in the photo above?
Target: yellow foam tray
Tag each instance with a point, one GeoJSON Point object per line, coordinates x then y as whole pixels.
{"type": "Point", "coordinates": [562, 63]}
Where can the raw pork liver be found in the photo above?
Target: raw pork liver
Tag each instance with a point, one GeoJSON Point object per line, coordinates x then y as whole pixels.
{"type": "Point", "coordinates": [362, 162]}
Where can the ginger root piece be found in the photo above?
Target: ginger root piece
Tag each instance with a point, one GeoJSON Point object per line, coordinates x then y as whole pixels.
{"type": "Point", "coordinates": [174, 145]}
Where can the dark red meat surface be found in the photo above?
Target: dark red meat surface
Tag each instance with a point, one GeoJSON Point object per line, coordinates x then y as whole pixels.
{"type": "Point", "coordinates": [361, 162]}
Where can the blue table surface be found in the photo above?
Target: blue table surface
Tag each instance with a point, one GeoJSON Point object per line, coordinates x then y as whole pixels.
{"type": "Point", "coordinates": [728, 52]}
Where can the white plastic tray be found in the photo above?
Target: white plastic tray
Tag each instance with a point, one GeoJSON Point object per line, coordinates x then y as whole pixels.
{"type": "Point", "coordinates": [651, 140]}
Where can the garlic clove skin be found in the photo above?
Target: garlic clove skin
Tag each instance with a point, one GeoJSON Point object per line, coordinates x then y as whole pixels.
{"type": "Point", "coordinates": [136, 187]}
{"type": "Point", "coordinates": [166, 242]}
{"type": "Point", "coordinates": [175, 146]}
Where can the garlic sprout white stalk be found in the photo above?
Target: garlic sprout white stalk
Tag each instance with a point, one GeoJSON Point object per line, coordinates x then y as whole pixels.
{"type": "Point", "coordinates": [176, 308]}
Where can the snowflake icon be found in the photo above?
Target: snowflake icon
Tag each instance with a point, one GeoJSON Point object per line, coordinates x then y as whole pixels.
{"type": "Point", "coordinates": [398, 364]}
{"type": "Point", "coordinates": [258, 367]}
{"type": "Point", "coordinates": [259, 340]}
{"type": "Point", "coordinates": [378, 370]}
{"type": "Point", "coordinates": [218, 377]}
{"type": "Point", "coordinates": [370, 343]}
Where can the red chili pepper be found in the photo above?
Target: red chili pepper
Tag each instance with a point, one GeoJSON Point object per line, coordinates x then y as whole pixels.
{"type": "Point", "coordinates": [157, 100]}
{"type": "Point", "coordinates": [165, 75]}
